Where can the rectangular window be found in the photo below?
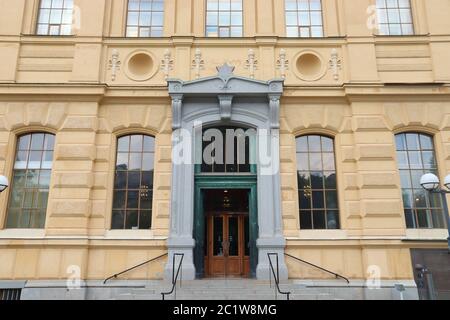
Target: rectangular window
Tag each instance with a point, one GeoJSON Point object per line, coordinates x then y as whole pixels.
{"type": "Point", "coordinates": [55, 18]}
{"type": "Point", "coordinates": [224, 18]}
{"type": "Point", "coordinates": [145, 18]}
{"type": "Point", "coordinates": [394, 17]}
{"type": "Point", "coordinates": [304, 18]}
{"type": "Point", "coordinates": [28, 199]}
{"type": "Point", "coordinates": [317, 185]}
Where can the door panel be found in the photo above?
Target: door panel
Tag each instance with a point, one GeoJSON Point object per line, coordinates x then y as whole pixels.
{"type": "Point", "coordinates": [227, 241]}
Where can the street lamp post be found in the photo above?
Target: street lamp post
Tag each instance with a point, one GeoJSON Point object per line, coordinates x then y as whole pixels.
{"type": "Point", "coordinates": [4, 183]}
{"type": "Point", "coordinates": [431, 183]}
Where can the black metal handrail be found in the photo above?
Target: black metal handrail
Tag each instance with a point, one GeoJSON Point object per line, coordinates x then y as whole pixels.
{"type": "Point", "coordinates": [276, 274]}
{"type": "Point", "coordinates": [135, 267]}
{"type": "Point", "coordinates": [318, 267]}
{"type": "Point", "coordinates": [175, 276]}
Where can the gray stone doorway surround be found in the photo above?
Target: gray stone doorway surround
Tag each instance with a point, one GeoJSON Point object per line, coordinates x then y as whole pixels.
{"type": "Point", "coordinates": [226, 99]}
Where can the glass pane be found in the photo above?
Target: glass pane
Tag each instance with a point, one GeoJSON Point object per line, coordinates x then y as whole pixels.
{"type": "Point", "coordinates": [134, 179]}
{"type": "Point", "coordinates": [410, 219]}
{"type": "Point", "coordinates": [233, 236]}
{"type": "Point", "coordinates": [304, 180]}
{"type": "Point", "coordinates": [247, 236]}
{"type": "Point", "coordinates": [438, 219]}
{"type": "Point", "coordinates": [305, 220]}
{"type": "Point", "coordinates": [132, 220]}
{"type": "Point", "coordinates": [133, 199]}
{"type": "Point", "coordinates": [119, 199]}
{"type": "Point", "coordinates": [319, 220]}
{"type": "Point", "coordinates": [317, 180]}
{"type": "Point", "coordinates": [318, 199]}
{"type": "Point", "coordinates": [146, 199]}
{"type": "Point", "coordinates": [136, 143]}
{"type": "Point", "coordinates": [332, 219]}
{"type": "Point", "coordinates": [147, 180]}
{"type": "Point", "coordinates": [120, 181]}
{"type": "Point", "coordinates": [145, 220]}
{"type": "Point", "coordinates": [305, 199]}
{"type": "Point", "coordinates": [118, 219]}
{"type": "Point", "coordinates": [123, 144]}
{"type": "Point", "coordinates": [218, 236]}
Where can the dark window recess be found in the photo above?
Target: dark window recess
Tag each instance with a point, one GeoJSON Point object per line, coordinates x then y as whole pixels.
{"type": "Point", "coordinates": [10, 294]}
{"type": "Point", "coordinates": [226, 150]}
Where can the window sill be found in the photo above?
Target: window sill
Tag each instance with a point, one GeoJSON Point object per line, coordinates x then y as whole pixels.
{"type": "Point", "coordinates": [22, 234]}
{"type": "Point", "coordinates": [426, 234]}
{"type": "Point", "coordinates": [322, 234]}
{"type": "Point", "coordinates": [129, 235]}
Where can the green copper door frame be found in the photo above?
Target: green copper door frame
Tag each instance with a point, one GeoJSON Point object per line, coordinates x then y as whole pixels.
{"type": "Point", "coordinates": [205, 182]}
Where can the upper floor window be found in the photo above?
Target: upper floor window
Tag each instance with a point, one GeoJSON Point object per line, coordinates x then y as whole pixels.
{"type": "Point", "coordinates": [224, 18]}
{"type": "Point", "coordinates": [416, 156]}
{"type": "Point", "coordinates": [55, 17]}
{"type": "Point", "coordinates": [304, 18]}
{"type": "Point", "coordinates": [317, 185]}
{"type": "Point", "coordinates": [27, 206]}
{"type": "Point", "coordinates": [133, 185]}
{"type": "Point", "coordinates": [145, 18]}
{"type": "Point", "coordinates": [394, 17]}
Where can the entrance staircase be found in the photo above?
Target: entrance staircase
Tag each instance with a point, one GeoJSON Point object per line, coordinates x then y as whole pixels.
{"type": "Point", "coordinates": [225, 289]}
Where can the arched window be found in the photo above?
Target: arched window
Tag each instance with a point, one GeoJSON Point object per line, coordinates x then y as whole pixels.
{"type": "Point", "coordinates": [415, 157]}
{"type": "Point", "coordinates": [55, 17]}
{"type": "Point", "coordinates": [304, 18]}
{"type": "Point", "coordinates": [28, 199]}
{"type": "Point", "coordinates": [317, 185]}
{"type": "Point", "coordinates": [133, 185]}
{"type": "Point", "coordinates": [145, 18]}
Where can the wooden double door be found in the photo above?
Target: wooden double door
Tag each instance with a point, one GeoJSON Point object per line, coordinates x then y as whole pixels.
{"type": "Point", "coordinates": [227, 245]}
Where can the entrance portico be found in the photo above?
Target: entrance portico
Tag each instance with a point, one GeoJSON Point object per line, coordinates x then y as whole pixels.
{"type": "Point", "coordinates": [226, 100]}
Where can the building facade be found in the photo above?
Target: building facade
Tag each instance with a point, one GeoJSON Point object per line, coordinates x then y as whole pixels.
{"type": "Point", "coordinates": [349, 98]}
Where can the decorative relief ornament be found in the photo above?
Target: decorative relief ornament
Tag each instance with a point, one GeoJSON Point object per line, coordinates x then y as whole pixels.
{"type": "Point", "coordinates": [198, 64]}
{"type": "Point", "coordinates": [283, 63]}
{"type": "Point", "coordinates": [335, 64]}
{"type": "Point", "coordinates": [251, 63]}
{"type": "Point", "coordinates": [114, 64]}
{"type": "Point", "coordinates": [167, 64]}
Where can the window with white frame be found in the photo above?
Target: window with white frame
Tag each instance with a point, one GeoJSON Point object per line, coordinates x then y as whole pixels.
{"type": "Point", "coordinates": [224, 18]}
{"type": "Point", "coordinates": [145, 18]}
{"type": "Point", "coordinates": [55, 17]}
{"type": "Point", "coordinates": [304, 18]}
{"type": "Point", "coordinates": [394, 17]}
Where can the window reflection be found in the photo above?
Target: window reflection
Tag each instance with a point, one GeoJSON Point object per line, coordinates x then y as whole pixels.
{"type": "Point", "coordinates": [133, 183]}
{"type": "Point", "coordinates": [304, 18]}
{"type": "Point", "coordinates": [55, 17]}
{"type": "Point", "coordinates": [394, 17]}
{"type": "Point", "coordinates": [224, 18]}
{"type": "Point", "coordinates": [415, 157]}
{"type": "Point", "coordinates": [31, 181]}
{"type": "Point", "coordinates": [145, 18]}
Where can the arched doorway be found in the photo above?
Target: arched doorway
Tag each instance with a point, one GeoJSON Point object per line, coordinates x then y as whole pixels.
{"type": "Point", "coordinates": [225, 102]}
{"type": "Point", "coordinates": [225, 212]}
